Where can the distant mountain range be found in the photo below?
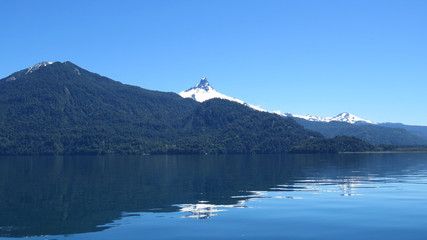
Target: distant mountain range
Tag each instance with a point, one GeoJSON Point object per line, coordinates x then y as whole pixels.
{"type": "Point", "coordinates": [60, 108]}
{"type": "Point", "coordinates": [342, 124]}
{"type": "Point", "coordinates": [342, 117]}
{"type": "Point", "coordinates": [204, 91]}
{"type": "Point", "coordinates": [420, 131]}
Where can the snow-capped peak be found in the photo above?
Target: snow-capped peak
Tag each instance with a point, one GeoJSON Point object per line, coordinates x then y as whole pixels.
{"type": "Point", "coordinates": [203, 91]}
{"type": "Point", "coordinates": [350, 118]}
{"type": "Point", "coordinates": [342, 117]}
{"type": "Point", "coordinates": [37, 66]}
{"type": "Point", "coordinates": [204, 84]}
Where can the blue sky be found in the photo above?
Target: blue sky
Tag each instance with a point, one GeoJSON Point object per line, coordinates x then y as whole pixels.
{"type": "Point", "coordinates": [315, 57]}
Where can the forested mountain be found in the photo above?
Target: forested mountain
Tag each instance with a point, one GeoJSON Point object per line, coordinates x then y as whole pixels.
{"type": "Point", "coordinates": [222, 126]}
{"type": "Point", "coordinates": [342, 124]}
{"type": "Point", "coordinates": [372, 133]}
{"type": "Point", "coordinates": [420, 131]}
{"type": "Point", "coordinates": [333, 145]}
{"type": "Point", "coordinates": [60, 108]}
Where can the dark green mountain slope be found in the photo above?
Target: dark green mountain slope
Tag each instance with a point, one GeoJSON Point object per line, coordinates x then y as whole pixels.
{"type": "Point", "coordinates": [373, 134]}
{"type": "Point", "coordinates": [228, 127]}
{"type": "Point", "coordinates": [63, 109]}
{"type": "Point", "coordinates": [333, 145]}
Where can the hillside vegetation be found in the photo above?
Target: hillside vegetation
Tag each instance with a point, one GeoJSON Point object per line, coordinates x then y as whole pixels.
{"type": "Point", "coordinates": [373, 134]}
{"type": "Point", "coordinates": [64, 109]}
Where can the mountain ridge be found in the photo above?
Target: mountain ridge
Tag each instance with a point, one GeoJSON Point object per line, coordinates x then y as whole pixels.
{"type": "Point", "coordinates": [203, 91]}
{"type": "Point", "coordinates": [342, 124]}
{"type": "Point", "coordinates": [63, 109]}
{"type": "Point", "coordinates": [342, 117]}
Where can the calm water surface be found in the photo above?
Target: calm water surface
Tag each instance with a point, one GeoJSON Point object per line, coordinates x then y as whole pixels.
{"type": "Point", "coordinates": [342, 196]}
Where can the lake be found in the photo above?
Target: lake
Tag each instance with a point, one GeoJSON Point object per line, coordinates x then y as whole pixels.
{"type": "Point", "coordinates": [338, 196]}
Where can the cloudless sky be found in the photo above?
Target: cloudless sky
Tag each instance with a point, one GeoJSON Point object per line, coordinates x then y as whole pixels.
{"type": "Point", "coordinates": [366, 57]}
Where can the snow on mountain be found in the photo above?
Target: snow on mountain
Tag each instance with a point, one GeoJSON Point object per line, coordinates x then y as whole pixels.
{"type": "Point", "coordinates": [20, 74]}
{"type": "Point", "coordinates": [311, 118]}
{"type": "Point", "coordinates": [204, 91]}
{"type": "Point", "coordinates": [349, 118]}
{"type": "Point", "coordinates": [37, 66]}
{"type": "Point", "coordinates": [342, 117]}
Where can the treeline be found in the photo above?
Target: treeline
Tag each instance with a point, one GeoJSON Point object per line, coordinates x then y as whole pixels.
{"type": "Point", "coordinates": [342, 144]}
{"type": "Point", "coordinates": [333, 145]}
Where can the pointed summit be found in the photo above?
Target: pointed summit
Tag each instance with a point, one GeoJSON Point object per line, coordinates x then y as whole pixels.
{"type": "Point", "coordinates": [204, 91]}
{"type": "Point", "coordinates": [204, 84]}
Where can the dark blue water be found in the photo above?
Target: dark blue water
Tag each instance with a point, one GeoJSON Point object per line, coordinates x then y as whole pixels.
{"type": "Point", "coordinates": [342, 196]}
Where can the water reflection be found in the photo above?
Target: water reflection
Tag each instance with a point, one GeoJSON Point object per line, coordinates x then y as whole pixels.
{"type": "Point", "coordinates": [347, 187]}
{"type": "Point", "coordinates": [65, 195]}
{"type": "Point", "coordinates": [205, 210]}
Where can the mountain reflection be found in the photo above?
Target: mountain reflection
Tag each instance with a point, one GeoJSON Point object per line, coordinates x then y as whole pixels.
{"type": "Point", "coordinates": [66, 195]}
{"type": "Point", "coordinates": [204, 210]}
